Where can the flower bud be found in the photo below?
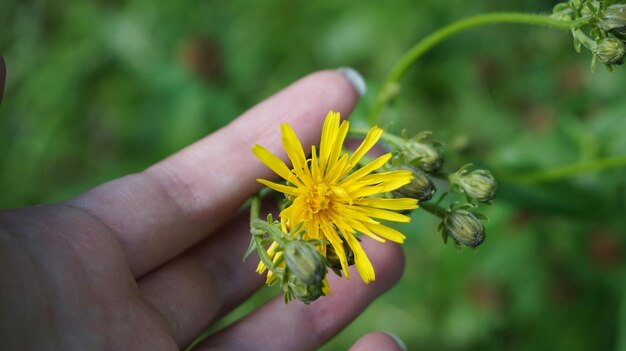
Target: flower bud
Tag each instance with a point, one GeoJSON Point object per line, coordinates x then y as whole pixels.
{"type": "Point", "coordinates": [464, 227]}
{"type": "Point", "coordinates": [611, 51]}
{"type": "Point", "coordinates": [614, 20]}
{"type": "Point", "coordinates": [589, 8]}
{"type": "Point", "coordinates": [304, 261]}
{"type": "Point", "coordinates": [305, 292]}
{"type": "Point", "coordinates": [422, 155]}
{"type": "Point", "coordinates": [333, 259]}
{"type": "Point", "coordinates": [479, 184]}
{"type": "Point", "coordinates": [420, 187]}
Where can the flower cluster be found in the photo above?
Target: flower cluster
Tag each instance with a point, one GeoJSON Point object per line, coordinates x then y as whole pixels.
{"type": "Point", "coordinates": [601, 28]}
{"type": "Point", "coordinates": [425, 158]}
{"type": "Point", "coordinates": [333, 197]}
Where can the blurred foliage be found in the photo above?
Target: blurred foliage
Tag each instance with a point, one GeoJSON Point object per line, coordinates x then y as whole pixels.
{"type": "Point", "coordinates": [97, 89]}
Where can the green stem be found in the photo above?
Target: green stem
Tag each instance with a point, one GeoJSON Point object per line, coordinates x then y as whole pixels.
{"type": "Point", "coordinates": [255, 207]}
{"type": "Point", "coordinates": [433, 209]}
{"type": "Point", "coordinates": [388, 138]}
{"type": "Point", "coordinates": [255, 211]}
{"type": "Point", "coordinates": [569, 170]}
{"type": "Point", "coordinates": [390, 85]}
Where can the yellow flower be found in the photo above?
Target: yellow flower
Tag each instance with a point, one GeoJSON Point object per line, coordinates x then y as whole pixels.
{"type": "Point", "coordinates": [333, 201]}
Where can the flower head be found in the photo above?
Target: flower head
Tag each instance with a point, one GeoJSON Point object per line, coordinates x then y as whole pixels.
{"type": "Point", "coordinates": [333, 200]}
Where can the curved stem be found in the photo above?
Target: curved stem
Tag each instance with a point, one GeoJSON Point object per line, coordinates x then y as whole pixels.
{"type": "Point", "coordinates": [390, 87]}
{"type": "Point", "coordinates": [569, 170]}
{"type": "Point", "coordinates": [388, 138]}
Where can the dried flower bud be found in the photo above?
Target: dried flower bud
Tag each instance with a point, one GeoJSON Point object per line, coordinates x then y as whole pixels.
{"type": "Point", "coordinates": [305, 292]}
{"type": "Point", "coordinates": [425, 156]}
{"type": "Point", "coordinates": [614, 20]}
{"type": "Point", "coordinates": [611, 51]}
{"type": "Point", "coordinates": [304, 261]}
{"type": "Point", "coordinates": [464, 227]}
{"type": "Point", "coordinates": [479, 184]}
{"type": "Point", "coordinates": [333, 259]}
{"type": "Point", "coordinates": [420, 187]}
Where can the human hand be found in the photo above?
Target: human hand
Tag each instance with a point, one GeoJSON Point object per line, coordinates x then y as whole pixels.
{"type": "Point", "coordinates": [149, 260]}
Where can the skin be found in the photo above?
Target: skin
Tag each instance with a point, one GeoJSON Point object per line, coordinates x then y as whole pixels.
{"type": "Point", "coordinates": [149, 260]}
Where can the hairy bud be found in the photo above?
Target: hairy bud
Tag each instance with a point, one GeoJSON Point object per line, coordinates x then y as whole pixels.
{"type": "Point", "coordinates": [304, 261]}
{"type": "Point", "coordinates": [420, 187]}
{"type": "Point", "coordinates": [479, 184]}
{"type": "Point", "coordinates": [464, 227]}
{"type": "Point", "coordinates": [425, 156]}
{"type": "Point", "coordinates": [611, 51]}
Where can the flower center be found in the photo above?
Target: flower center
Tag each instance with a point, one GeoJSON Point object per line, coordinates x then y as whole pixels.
{"type": "Point", "coordinates": [320, 198]}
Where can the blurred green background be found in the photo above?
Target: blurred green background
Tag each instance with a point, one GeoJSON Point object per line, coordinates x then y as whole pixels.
{"type": "Point", "coordinates": [98, 89]}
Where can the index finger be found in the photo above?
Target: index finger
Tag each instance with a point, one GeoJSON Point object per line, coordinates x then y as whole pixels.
{"type": "Point", "coordinates": [172, 205]}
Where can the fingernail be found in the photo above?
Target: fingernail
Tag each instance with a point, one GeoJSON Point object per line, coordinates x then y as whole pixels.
{"type": "Point", "coordinates": [398, 341]}
{"type": "Point", "coordinates": [355, 78]}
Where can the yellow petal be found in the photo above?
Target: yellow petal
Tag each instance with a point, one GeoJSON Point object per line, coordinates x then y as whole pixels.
{"type": "Point", "coordinates": [370, 140]}
{"type": "Point", "coordinates": [383, 214]}
{"type": "Point", "coordinates": [363, 264]}
{"type": "Point", "coordinates": [367, 191]}
{"type": "Point", "coordinates": [337, 244]}
{"type": "Point", "coordinates": [363, 229]}
{"type": "Point", "coordinates": [325, 287]}
{"type": "Point", "coordinates": [335, 172]}
{"type": "Point", "coordinates": [294, 150]}
{"type": "Point", "coordinates": [270, 253]}
{"type": "Point", "coordinates": [328, 138]}
{"type": "Point", "coordinates": [351, 212]}
{"type": "Point", "coordinates": [340, 137]}
{"type": "Point", "coordinates": [380, 177]}
{"type": "Point", "coordinates": [274, 163]}
{"type": "Point", "coordinates": [279, 187]}
{"type": "Point", "coordinates": [367, 169]}
{"type": "Point", "coordinates": [394, 184]}
{"type": "Point", "coordinates": [389, 204]}
{"type": "Point", "coordinates": [387, 232]}
{"type": "Point", "coordinates": [315, 169]}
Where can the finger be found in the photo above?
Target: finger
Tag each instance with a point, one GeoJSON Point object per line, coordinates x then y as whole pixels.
{"type": "Point", "coordinates": [378, 341]}
{"type": "Point", "coordinates": [295, 326]}
{"type": "Point", "coordinates": [161, 212]}
{"type": "Point", "coordinates": [203, 284]}
{"type": "Point", "coordinates": [3, 77]}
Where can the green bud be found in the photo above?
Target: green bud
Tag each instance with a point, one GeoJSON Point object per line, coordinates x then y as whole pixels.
{"type": "Point", "coordinates": [614, 20]}
{"type": "Point", "coordinates": [425, 156]}
{"type": "Point", "coordinates": [420, 187]}
{"type": "Point", "coordinates": [305, 292]}
{"type": "Point", "coordinates": [611, 51]}
{"type": "Point", "coordinates": [464, 227]}
{"type": "Point", "coordinates": [479, 184]}
{"type": "Point", "coordinates": [304, 261]}
{"type": "Point", "coordinates": [333, 259]}
{"type": "Point", "coordinates": [590, 8]}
